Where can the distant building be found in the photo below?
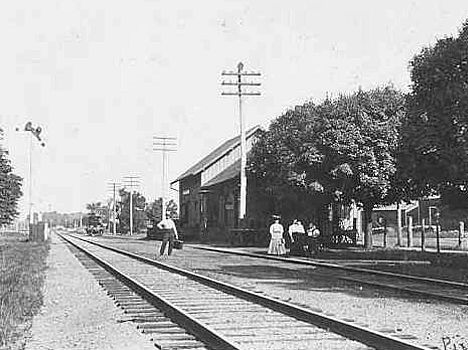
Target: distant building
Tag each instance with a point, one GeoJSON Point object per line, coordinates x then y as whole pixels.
{"type": "Point", "coordinates": [209, 190]}
{"type": "Point", "coordinates": [421, 209]}
{"type": "Point", "coordinates": [389, 213]}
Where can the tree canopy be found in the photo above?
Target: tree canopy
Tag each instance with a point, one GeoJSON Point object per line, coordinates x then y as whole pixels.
{"type": "Point", "coordinates": [138, 212]}
{"type": "Point", "coordinates": [341, 149]}
{"type": "Point", "coordinates": [153, 209]}
{"type": "Point", "coordinates": [96, 207]}
{"type": "Point", "coordinates": [10, 190]}
{"type": "Point", "coordinates": [434, 135]}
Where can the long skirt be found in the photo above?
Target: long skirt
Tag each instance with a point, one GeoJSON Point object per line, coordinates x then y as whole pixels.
{"type": "Point", "coordinates": [276, 247]}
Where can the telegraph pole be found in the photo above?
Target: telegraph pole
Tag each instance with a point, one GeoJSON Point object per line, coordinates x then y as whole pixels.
{"type": "Point", "coordinates": [164, 145]}
{"type": "Point", "coordinates": [113, 186]}
{"type": "Point", "coordinates": [239, 84]}
{"type": "Point", "coordinates": [131, 182]}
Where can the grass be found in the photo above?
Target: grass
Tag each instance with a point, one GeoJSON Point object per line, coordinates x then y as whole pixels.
{"type": "Point", "coordinates": [22, 268]}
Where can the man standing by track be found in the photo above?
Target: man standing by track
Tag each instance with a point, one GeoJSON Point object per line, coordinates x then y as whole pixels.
{"type": "Point", "coordinates": [169, 234]}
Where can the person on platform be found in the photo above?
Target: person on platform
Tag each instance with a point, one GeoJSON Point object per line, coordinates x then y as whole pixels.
{"type": "Point", "coordinates": [313, 237]}
{"type": "Point", "coordinates": [170, 234]}
{"type": "Point", "coordinates": [276, 246]}
{"type": "Point", "coordinates": [297, 236]}
{"type": "Point", "coordinates": [296, 228]}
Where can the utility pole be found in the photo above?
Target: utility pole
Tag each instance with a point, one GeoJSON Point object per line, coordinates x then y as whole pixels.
{"type": "Point", "coordinates": [131, 182]}
{"type": "Point", "coordinates": [239, 84]}
{"type": "Point", "coordinates": [113, 186]}
{"type": "Point", "coordinates": [164, 145]}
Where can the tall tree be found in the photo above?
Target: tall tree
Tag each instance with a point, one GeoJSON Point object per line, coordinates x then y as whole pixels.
{"type": "Point", "coordinates": [280, 160]}
{"type": "Point", "coordinates": [10, 191]}
{"type": "Point", "coordinates": [153, 209]}
{"type": "Point", "coordinates": [94, 207]}
{"type": "Point", "coordinates": [434, 153]}
{"type": "Point", "coordinates": [138, 212]}
{"type": "Point", "coordinates": [367, 141]}
{"type": "Point", "coordinates": [343, 150]}
{"type": "Point", "coordinates": [100, 209]}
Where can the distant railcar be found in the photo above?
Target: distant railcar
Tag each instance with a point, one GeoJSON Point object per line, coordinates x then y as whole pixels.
{"type": "Point", "coordinates": [94, 225]}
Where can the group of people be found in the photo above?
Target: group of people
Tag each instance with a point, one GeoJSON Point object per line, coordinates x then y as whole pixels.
{"type": "Point", "coordinates": [307, 240]}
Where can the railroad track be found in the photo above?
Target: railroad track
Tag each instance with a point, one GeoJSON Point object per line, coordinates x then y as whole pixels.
{"type": "Point", "coordinates": [150, 320]}
{"type": "Point", "coordinates": [450, 291]}
{"type": "Point", "coordinates": [208, 314]}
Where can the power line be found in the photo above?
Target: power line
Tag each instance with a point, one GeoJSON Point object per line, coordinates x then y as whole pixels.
{"type": "Point", "coordinates": [240, 93]}
{"type": "Point", "coordinates": [131, 182]}
{"type": "Point", "coordinates": [164, 145]}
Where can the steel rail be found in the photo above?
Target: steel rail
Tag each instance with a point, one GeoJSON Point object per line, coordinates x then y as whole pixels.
{"type": "Point", "coordinates": [347, 329]}
{"type": "Point", "coordinates": [341, 267]}
{"type": "Point", "coordinates": [204, 333]}
{"type": "Point", "coordinates": [407, 290]}
{"type": "Point", "coordinates": [415, 292]}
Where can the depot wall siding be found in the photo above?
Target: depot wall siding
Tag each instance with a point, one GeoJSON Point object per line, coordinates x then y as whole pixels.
{"type": "Point", "coordinates": [225, 161]}
{"type": "Point", "coordinates": [197, 206]}
{"type": "Point", "coordinates": [189, 199]}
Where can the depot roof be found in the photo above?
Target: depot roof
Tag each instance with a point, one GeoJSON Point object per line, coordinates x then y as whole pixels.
{"type": "Point", "coordinates": [216, 155]}
{"type": "Point", "coordinates": [230, 172]}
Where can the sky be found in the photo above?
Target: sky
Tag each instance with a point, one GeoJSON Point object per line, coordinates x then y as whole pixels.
{"type": "Point", "coordinates": [103, 77]}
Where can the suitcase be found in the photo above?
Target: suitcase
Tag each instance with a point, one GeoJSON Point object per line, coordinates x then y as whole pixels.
{"type": "Point", "coordinates": [178, 244]}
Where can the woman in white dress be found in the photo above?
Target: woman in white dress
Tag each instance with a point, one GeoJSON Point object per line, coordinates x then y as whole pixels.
{"type": "Point", "coordinates": [277, 246]}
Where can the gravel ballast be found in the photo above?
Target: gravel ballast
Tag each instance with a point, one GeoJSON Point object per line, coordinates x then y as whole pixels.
{"type": "Point", "coordinates": [428, 320]}
{"type": "Point", "coordinates": [77, 313]}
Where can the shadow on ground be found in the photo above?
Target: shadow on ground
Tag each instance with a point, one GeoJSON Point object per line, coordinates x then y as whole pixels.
{"type": "Point", "coordinates": [306, 279]}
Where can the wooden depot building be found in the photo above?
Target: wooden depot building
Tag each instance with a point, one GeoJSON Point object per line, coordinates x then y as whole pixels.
{"type": "Point", "coordinates": [209, 190]}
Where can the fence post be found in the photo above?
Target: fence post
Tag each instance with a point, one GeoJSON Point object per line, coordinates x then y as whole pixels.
{"type": "Point", "coordinates": [438, 232]}
{"type": "Point", "coordinates": [399, 229]}
{"type": "Point", "coordinates": [385, 233]}
{"type": "Point", "coordinates": [423, 233]}
{"type": "Point", "coordinates": [410, 231]}
{"type": "Point", "coordinates": [461, 233]}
